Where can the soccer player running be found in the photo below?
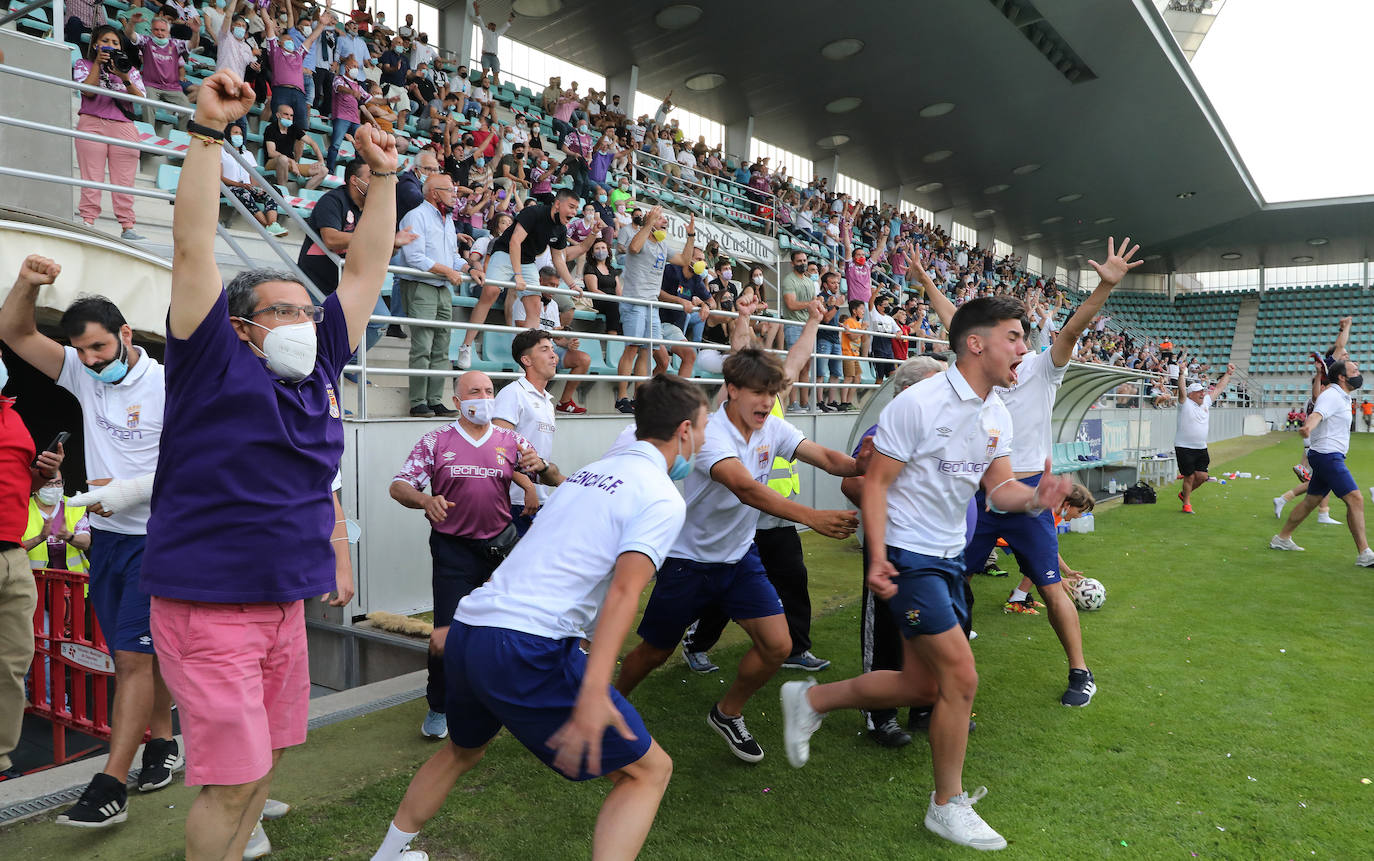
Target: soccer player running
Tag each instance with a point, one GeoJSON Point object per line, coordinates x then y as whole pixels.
{"type": "Point", "coordinates": [715, 559]}
{"type": "Point", "coordinates": [513, 654]}
{"type": "Point", "coordinates": [1194, 418]}
{"type": "Point", "coordinates": [1328, 429]}
{"type": "Point", "coordinates": [1031, 398]}
{"type": "Point", "coordinates": [937, 443]}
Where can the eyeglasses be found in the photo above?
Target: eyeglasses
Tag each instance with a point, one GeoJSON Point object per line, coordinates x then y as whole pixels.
{"type": "Point", "coordinates": [292, 313]}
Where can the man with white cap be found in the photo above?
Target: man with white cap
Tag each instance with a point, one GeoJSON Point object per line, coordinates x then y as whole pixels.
{"type": "Point", "coordinates": [1190, 441]}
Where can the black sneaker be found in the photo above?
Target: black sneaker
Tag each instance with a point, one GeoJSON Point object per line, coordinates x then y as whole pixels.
{"type": "Point", "coordinates": [889, 733]}
{"type": "Point", "coordinates": [919, 721]}
{"type": "Point", "coordinates": [826, 408]}
{"type": "Point", "coordinates": [846, 407]}
{"type": "Point", "coordinates": [395, 331]}
{"type": "Point", "coordinates": [625, 405]}
{"type": "Point", "coordinates": [422, 411]}
{"type": "Point", "coordinates": [834, 406]}
{"type": "Point", "coordinates": [1081, 689]}
{"type": "Point", "coordinates": [736, 734]}
{"type": "Point", "coordinates": [11, 773]}
{"type": "Point", "coordinates": [104, 803]}
{"type": "Point", "coordinates": [441, 410]}
{"type": "Point", "coordinates": [161, 757]}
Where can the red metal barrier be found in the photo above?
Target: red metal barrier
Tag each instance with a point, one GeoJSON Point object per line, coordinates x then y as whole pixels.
{"type": "Point", "coordinates": [72, 669]}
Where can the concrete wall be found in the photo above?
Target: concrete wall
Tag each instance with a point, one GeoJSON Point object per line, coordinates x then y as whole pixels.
{"type": "Point", "coordinates": [36, 151]}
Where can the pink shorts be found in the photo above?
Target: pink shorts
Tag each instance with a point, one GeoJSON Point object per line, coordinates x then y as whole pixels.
{"type": "Point", "coordinates": [240, 676]}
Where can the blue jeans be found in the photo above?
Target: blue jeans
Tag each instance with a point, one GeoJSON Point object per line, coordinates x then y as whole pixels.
{"type": "Point", "coordinates": [560, 129]}
{"type": "Point", "coordinates": [695, 327]}
{"type": "Point", "coordinates": [832, 348]}
{"type": "Point", "coordinates": [342, 128]}
{"type": "Point", "coordinates": [309, 75]}
{"type": "Point", "coordinates": [296, 99]}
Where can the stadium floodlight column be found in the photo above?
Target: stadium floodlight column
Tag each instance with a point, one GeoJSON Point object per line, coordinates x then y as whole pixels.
{"type": "Point", "coordinates": [944, 219]}
{"type": "Point", "coordinates": [891, 195]}
{"type": "Point", "coordinates": [828, 167]}
{"type": "Point", "coordinates": [456, 24]}
{"type": "Point", "coordinates": [624, 83]}
{"type": "Point", "coordinates": [739, 137]}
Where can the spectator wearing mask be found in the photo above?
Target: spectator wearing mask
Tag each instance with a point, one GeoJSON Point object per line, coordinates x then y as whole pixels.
{"type": "Point", "coordinates": [555, 317]}
{"type": "Point", "coordinates": [235, 176]}
{"type": "Point", "coordinates": [421, 53]}
{"type": "Point", "coordinates": [510, 174]}
{"type": "Point", "coordinates": [473, 462]}
{"type": "Point", "coordinates": [108, 118]}
{"type": "Point", "coordinates": [526, 407]}
{"type": "Point", "coordinates": [227, 619]}
{"type": "Point", "coordinates": [20, 476]}
{"type": "Point", "coordinates": [577, 148]}
{"type": "Point", "coordinates": [491, 40]}
{"type": "Point", "coordinates": [395, 63]}
{"type": "Point", "coordinates": [350, 44]}
{"type": "Point", "coordinates": [117, 385]}
{"type": "Point", "coordinates": [284, 145]}
{"type": "Point", "coordinates": [828, 342]}
{"type": "Point", "coordinates": [646, 257]}
{"type": "Point", "coordinates": [288, 68]}
{"type": "Point", "coordinates": [407, 30]}
{"type": "Point", "coordinates": [326, 51]}
{"type": "Point", "coordinates": [427, 297]}
{"type": "Point", "coordinates": [850, 345]}
{"type": "Point", "coordinates": [601, 278]}
{"type": "Point", "coordinates": [164, 63]}
{"type": "Point", "coordinates": [348, 112]}
{"type": "Point", "coordinates": [885, 326]}
{"type": "Point", "coordinates": [686, 286]}
{"type": "Point", "coordinates": [58, 533]}
{"type": "Point", "coordinates": [335, 217]}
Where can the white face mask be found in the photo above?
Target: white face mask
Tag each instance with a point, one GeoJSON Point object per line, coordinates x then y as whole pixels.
{"type": "Point", "coordinates": [477, 410]}
{"type": "Point", "coordinates": [49, 495]}
{"type": "Point", "coordinates": [289, 350]}
{"type": "Point", "coordinates": [757, 279]}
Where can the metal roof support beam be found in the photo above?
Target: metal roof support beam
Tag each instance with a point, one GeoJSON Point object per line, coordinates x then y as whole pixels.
{"type": "Point", "coordinates": [624, 83]}
{"type": "Point", "coordinates": [739, 137]}
{"type": "Point", "coordinates": [828, 166]}
{"type": "Point", "coordinates": [455, 32]}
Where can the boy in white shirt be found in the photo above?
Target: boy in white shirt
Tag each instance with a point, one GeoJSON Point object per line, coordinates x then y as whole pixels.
{"type": "Point", "coordinates": [513, 655]}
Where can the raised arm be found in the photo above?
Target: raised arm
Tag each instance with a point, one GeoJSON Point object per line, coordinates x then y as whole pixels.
{"type": "Point", "coordinates": [939, 302]}
{"type": "Point", "coordinates": [18, 328]}
{"type": "Point", "coordinates": [1182, 376]}
{"type": "Point", "coordinates": [370, 249]}
{"type": "Point", "coordinates": [1224, 381]}
{"type": "Point", "coordinates": [799, 355]}
{"type": "Point", "coordinates": [684, 257]}
{"type": "Point", "coordinates": [1342, 337]}
{"type": "Point", "coordinates": [1111, 272]}
{"type": "Point", "coordinates": [196, 284]}
{"type": "Point", "coordinates": [642, 235]}
{"type": "Point", "coordinates": [327, 19]}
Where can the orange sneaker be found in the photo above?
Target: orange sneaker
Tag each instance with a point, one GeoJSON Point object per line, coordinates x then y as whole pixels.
{"type": "Point", "coordinates": [1187, 508]}
{"type": "Point", "coordinates": [1025, 608]}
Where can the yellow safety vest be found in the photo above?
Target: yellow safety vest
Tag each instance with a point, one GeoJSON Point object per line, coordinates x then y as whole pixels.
{"type": "Point", "coordinates": [783, 476]}
{"type": "Point", "coordinates": [72, 514]}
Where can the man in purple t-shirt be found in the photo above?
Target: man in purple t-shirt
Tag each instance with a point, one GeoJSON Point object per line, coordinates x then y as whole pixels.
{"type": "Point", "coordinates": [163, 63]}
{"type": "Point", "coordinates": [288, 57]}
{"type": "Point", "coordinates": [241, 509]}
{"type": "Point", "coordinates": [474, 461]}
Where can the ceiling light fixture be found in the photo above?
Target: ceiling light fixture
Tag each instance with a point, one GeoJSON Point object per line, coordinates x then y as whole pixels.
{"type": "Point", "coordinates": [996, 189]}
{"type": "Point", "coordinates": [1105, 219]}
{"type": "Point", "coordinates": [983, 213]}
{"type": "Point", "coordinates": [1032, 236]}
{"type": "Point", "coordinates": [832, 141]}
{"type": "Point", "coordinates": [1303, 258]}
{"type": "Point", "coordinates": [938, 109]}
{"type": "Point", "coordinates": [842, 49]}
{"type": "Point", "coordinates": [1087, 242]}
{"type": "Point", "coordinates": [1025, 169]}
{"type": "Point", "coordinates": [844, 105]}
{"type": "Point", "coordinates": [1069, 198]}
{"type": "Point", "coordinates": [938, 155]}
{"type": "Point", "coordinates": [1318, 241]}
{"type": "Point", "coordinates": [1231, 255]}
{"type": "Point", "coordinates": [928, 187]}
{"type": "Point", "coordinates": [536, 8]}
{"type": "Point", "coordinates": [1184, 195]}
{"type": "Point", "coordinates": [678, 16]}
{"type": "Point", "coordinates": [705, 81]}
{"type": "Point", "coordinates": [1053, 219]}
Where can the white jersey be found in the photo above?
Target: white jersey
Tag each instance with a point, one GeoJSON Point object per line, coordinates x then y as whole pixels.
{"type": "Point", "coordinates": [1332, 436]}
{"type": "Point", "coordinates": [122, 426]}
{"type": "Point", "coordinates": [531, 413]}
{"type": "Point", "coordinates": [1192, 423]}
{"type": "Point", "coordinates": [620, 504]}
{"type": "Point", "coordinates": [946, 435]}
{"type": "Point", "coordinates": [721, 527]}
{"type": "Point", "coordinates": [623, 440]}
{"type": "Point", "coordinates": [1031, 400]}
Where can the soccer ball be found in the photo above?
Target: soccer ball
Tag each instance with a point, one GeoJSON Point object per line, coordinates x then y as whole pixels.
{"type": "Point", "coordinates": [1088, 594]}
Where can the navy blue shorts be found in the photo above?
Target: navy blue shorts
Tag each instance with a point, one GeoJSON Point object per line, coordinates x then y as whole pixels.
{"type": "Point", "coordinates": [522, 523]}
{"type": "Point", "coordinates": [930, 593]}
{"type": "Point", "coordinates": [685, 588]}
{"type": "Point", "coordinates": [1032, 539]}
{"type": "Point", "coordinates": [528, 684]}
{"type": "Point", "coordinates": [1329, 474]}
{"type": "Point", "coordinates": [121, 607]}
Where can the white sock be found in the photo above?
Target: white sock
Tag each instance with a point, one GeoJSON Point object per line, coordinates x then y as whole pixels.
{"type": "Point", "coordinates": [395, 843]}
{"type": "Point", "coordinates": [1017, 595]}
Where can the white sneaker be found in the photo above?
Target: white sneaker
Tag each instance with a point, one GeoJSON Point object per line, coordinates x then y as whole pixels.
{"type": "Point", "coordinates": [1277, 543]}
{"type": "Point", "coordinates": [1366, 558]}
{"type": "Point", "coordinates": [972, 635]}
{"type": "Point", "coordinates": [464, 357]}
{"type": "Point", "coordinates": [414, 855]}
{"type": "Point", "coordinates": [1323, 517]}
{"type": "Point", "coordinates": [958, 822]}
{"type": "Point", "coordinates": [1278, 507]}
{"type": "Point", "coordinates": [799, 721]}
{"type": "Point", "coordinates": [258, 844]}
{"type": "Point", "coordinates": [274, 809]}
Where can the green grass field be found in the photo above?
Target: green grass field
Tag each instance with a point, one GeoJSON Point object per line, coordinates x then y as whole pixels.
{"type": "Point", "coordinates": [1232, 721]}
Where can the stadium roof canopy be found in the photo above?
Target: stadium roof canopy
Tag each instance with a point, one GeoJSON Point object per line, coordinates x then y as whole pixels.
{"type": "Point", "coordinates": [1098, 95]}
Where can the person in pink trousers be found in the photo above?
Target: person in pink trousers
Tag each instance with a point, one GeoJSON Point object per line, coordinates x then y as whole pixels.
{"type": "Point", "coordinates": [110, 118]}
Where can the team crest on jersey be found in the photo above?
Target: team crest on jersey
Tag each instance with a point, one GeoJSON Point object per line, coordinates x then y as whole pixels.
{"type": "Point", "coordinates": [763, 455]}
{"type": "Point", "coordinates": [131, 419]}
{"type": "Point", "coordinates": [993, 436]}
{"type": "Point", "coordinates": [333, 401]}
{"type": "Point", "coordinates": [913, 617]}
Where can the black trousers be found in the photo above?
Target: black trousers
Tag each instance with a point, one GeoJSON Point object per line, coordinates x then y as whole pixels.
{"type": "Point", "coordinates": [324, 90]}
{"type": "Point", "coordinates": [460, 565]}
{"type": "Point", "coordinates": [880, 643]}
{"type": "Point", "coordinates": [780, 550]}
